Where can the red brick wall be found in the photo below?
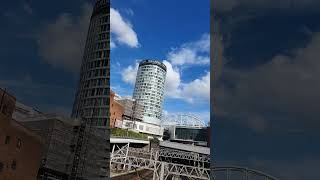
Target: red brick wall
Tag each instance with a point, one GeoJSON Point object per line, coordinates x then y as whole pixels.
{"type": "Point", "coordinates": [27, 155]}
{"type": "Point", "coordinates": [116, 110]}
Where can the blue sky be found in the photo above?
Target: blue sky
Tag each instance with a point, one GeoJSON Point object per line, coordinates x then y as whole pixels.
{"type": "Point", "coordinates": [34, 65]}
{"type": "Point", "coordinates": [265, 114]}
{"type": "Point", "coordinates": [41, 50]}
{"type": "Point", "coordinates": [170, 31]}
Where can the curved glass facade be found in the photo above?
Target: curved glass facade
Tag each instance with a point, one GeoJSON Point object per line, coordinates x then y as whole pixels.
{"type": "Point", "coordinates": [92, 97]}
{"type": "Point", "coordinates": [149, 89]}
{"type": "Point", "coordinates": [91, 103]}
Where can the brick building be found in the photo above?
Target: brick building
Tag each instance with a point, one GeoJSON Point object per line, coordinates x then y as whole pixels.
{"type": "Point", "coordinates": [20, 148]}
{"type": "Point", "coordinates": [116, 110]}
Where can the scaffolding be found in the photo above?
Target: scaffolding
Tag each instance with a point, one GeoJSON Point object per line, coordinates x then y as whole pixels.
{"type": "Point", "coordinates": [66, 154]}
{"type": "Point", "coordinates": [59, 135]}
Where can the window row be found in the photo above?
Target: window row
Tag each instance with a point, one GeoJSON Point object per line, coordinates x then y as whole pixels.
{"type": "Point", "coordinates": [96, 73]}
{"type": "Point", "coordinates": [96, 64]}
{"type": "Point", "coordinates": [97, 55]}
{"type": "Point", "coordinates": [96, 82]}
{"type": "Point", "coordinates": [8, 140]}
{"type": "Point", "coordinates": [95, 102]}
{"type": "Point", "coordinates": [94, 92]}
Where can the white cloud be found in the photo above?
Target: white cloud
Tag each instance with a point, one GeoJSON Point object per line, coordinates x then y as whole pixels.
{"type": "Point", "coordinates": [173, 80]}
{"type": "Point", "coordinates": [122, 30]}
{"type": "Point", "coordinates": [112, 44]}
{"type": "Point", "coordinates": [195, 90]}
{"type": "Point", "coordinates": [191, 53]}
{"type": "Point", "coordinates": [287, 85]}
{"type": "Point", "coordinates": [129, 74]}
{"type": "Point", "coordinates": [61, 43]}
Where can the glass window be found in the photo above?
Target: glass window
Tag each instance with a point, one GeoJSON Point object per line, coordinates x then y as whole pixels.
{"type": "Point", "coordinates": [7, 140]}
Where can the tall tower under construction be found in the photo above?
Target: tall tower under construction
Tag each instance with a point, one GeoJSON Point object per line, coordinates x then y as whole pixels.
{"type": "Point", "coordinates": [91, 105]}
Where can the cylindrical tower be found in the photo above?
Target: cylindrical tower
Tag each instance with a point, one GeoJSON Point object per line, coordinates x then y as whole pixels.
{"type": "Point", "coordinates": [92, 97]}
{"type": "Point", "coordinates": [149, 89]}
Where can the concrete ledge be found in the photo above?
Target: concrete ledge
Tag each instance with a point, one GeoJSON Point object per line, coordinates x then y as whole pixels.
{"type": "Point", "coordinates": [185, 147]}
{"type": "Point", "coordinates": [127, 140]}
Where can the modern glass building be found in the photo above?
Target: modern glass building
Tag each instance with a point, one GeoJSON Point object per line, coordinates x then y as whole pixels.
{"type": "Point", "coordinates": [91, 105]}
{"type": "Point", "coordinates": [92, 97]}
{"type": "Point", "coordinates": [149, 89]}
{"type": "Point", "coordinates": [191, 134]}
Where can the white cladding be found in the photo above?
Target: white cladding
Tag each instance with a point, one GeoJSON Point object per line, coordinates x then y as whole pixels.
{"type": "Point", "coordinates": [149, 89]}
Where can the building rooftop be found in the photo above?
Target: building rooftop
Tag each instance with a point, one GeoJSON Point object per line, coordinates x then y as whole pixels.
{"type": "Point", "coordinates": [153, 62]}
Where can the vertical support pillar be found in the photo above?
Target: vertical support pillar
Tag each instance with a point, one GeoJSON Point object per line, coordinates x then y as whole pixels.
{"type": "Point", "coordinates": [111, 157]}
{"type": "Point", "coordinates": [125, 159]}
{"type": "Point", "coordinates": [228, 174]}
{"type": "Point", "coordinates": [162, 171]}
{"type": "Point", "coordinates": [246, 175]}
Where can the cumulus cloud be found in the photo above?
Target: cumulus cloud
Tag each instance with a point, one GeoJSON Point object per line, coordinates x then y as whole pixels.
{"type": "Point", "coordinates": [286, 88]}
{"type": "Point", "coordinates": [129, 74]}
{"type": "Point", "coordinates": [191, 53]}
{"type": "Point", "coordinates": [122, 30]}
{"type": "Point", "coordinates": [197, 89]}
{"type": "Point", "coordinates": [173, 80]}
{"type": "Point", "coordinates": [61, 42]}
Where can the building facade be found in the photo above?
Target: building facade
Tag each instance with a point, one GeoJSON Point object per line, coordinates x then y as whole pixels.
{"type": "Point", "coordinates": [149, 89]}
{"type": "Point", "coordinates": [189, 135]}
{"type": "Point", "coordinates": [116, 110]}
{"type": "Point", "coordinates": [92, 96]}
{"type": "Point", "coordinates": [92, 102]}
{"type": "Point", "coordinates": [20, 148]}
{"type": "Point", "coordinates": [132, 109]}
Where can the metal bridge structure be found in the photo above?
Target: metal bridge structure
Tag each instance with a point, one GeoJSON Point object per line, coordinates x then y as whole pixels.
{"type": "Point", "coordinates": [237, 172]}
{"type": "Point", "coordinates": [188, 120]}
{"type": "Point", "coordinates": [131, 158]}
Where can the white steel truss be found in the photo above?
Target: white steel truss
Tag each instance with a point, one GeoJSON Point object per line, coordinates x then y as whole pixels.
{"type": "Point", "coordinates": [128, 157]}
{"type": "Point", "coordinates": [188, 120]}
{"type": "Point", "coordinates": [171, 153]}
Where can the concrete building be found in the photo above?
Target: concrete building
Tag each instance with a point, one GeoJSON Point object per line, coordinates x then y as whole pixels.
{"type": "Point", "coordinates": [128, 114]}
{"type": "Point", "coordinates": [149, 89]}
{"type": "Point", "coordinates": [20, 148]}
{"type": "Point", "coordinates": [189, 135]}
{"type": "Point", "coordinates": [132, 109]}
{"type": "Point", "coordinates": [116, 110]}
{"type": "Point", "coordinates": [60, 135]}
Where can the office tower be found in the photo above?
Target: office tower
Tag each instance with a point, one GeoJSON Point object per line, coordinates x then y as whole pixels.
{"type": "Point", "coordinates": [92, 97]}
{"type": "Point", "coordinates": [149, 89]}
{"type": "Point", "coordinates": [91, 105]}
